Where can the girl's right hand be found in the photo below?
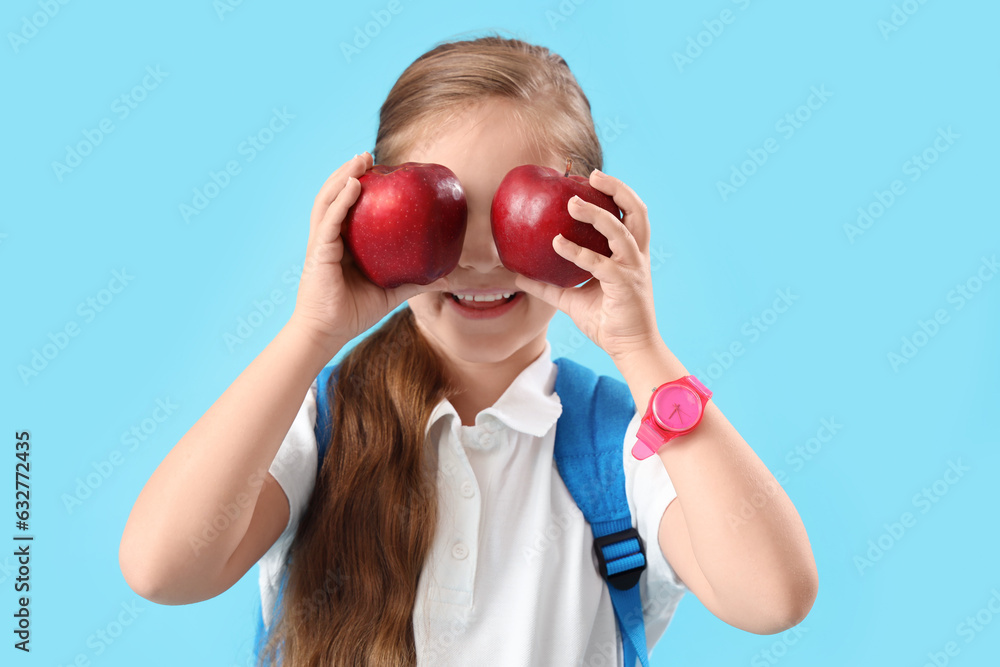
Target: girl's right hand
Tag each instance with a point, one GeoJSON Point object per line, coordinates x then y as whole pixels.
{"type": "Point", "coordinates": [335, 301]}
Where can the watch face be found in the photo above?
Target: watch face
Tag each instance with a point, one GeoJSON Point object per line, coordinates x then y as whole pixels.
{"type": "Point", "coordinates": [676, 407]}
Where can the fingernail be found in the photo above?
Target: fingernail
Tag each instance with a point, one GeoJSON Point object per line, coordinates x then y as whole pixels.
{"type": "Point", "coordinates": [599, 172]}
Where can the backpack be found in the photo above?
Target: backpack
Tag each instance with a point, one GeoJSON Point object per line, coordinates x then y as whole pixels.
{"type": "Point", "coordinates": [588, 454]}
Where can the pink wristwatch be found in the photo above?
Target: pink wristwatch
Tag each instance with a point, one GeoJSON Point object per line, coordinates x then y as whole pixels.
{"type": "Point", "coordinates": [675, 408]}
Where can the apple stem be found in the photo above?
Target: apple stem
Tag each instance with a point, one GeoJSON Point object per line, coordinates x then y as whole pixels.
{"type": "Point", "coordinates": [569, 164]}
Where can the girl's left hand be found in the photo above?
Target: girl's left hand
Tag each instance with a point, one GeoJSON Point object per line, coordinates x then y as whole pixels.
{"type": "Point", "coordinates": [615, 308]}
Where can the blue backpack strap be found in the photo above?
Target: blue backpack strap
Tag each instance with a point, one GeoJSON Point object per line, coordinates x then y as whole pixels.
{"type": "Point", "coordinates": [323, 416]}
{"type": "Point", "coordinates": [588, 453]}
{"type": "Point", "coordinates": [322, 433]}
{"type": "Point", "coordinates": [261, 631]}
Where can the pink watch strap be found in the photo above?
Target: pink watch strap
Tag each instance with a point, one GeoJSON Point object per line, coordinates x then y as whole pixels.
{"type": "Point", "coordinates": [647, 439]}
{"type": "Point", "coordinates": [705, 392]}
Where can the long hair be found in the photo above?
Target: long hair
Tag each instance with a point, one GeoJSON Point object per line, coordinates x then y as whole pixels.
{"type": "Point", "coordinates": [353, 568]}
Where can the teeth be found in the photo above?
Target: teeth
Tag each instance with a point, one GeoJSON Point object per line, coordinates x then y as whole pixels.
{"type": "Point", "coordinates": [484, 297]}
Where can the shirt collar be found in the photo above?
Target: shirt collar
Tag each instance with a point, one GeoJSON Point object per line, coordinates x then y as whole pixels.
{"type": "Point", "coordinates": [529, 405]}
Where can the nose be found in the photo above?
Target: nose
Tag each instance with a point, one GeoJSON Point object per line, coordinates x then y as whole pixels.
{"type": "Point", "coordinates": [479, 251]}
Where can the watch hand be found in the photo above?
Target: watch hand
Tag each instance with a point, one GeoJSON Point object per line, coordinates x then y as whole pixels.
{"type": "Point", "coordinates": [677, 408]}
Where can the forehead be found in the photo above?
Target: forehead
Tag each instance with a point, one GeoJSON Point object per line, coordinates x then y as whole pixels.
{"type": "Point", "coordinates": [481, 145]}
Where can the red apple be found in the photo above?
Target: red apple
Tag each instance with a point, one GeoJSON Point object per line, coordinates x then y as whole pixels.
{"type": "Point", "coordinates": [408, 223]}
{"type": "Point", "coordinates": [530, 208]}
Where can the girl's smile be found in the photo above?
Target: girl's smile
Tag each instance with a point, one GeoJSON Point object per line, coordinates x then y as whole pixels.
{"type": "Point", "coordinates": [484, 304]}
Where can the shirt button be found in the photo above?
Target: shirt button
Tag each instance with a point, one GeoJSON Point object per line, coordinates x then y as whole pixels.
{"type": "Point", "coordinates": [459, 551]}
{"type": "Point", "coordinates": [485, 438]}
{"type": "Point", "coordinates": [467, 489]}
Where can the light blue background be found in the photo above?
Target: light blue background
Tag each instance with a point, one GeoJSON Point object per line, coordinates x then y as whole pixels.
{"type": "Point", "coordinates": [680, 132]}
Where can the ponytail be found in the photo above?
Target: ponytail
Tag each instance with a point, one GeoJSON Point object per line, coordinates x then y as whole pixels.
{"type": "Point", "coordinates": [355, 562]}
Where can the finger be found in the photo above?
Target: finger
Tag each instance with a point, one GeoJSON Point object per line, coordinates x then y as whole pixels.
{"type": "Point", "coordinates": [550, 294]}
{"type": "Point", "coordinates": [603, 268]}
{"type": "Point", "coordinates": [621, 241]}
{"type": "Point", "coordinates": [636, 214]}
{"type": "Point", "coordinates": [354, 167]}
{"type": "Point", "coordinates": [330, 225]}
{"type": "Point", "coordinates": [409, 290]}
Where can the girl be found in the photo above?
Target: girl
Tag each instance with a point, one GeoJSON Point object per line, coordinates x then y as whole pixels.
{"type": "Point", "coordinates": [438, 530]}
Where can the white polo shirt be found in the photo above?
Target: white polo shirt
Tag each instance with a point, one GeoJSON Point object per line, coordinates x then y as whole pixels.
{"type": "Point", "coordinates": [510, 579]}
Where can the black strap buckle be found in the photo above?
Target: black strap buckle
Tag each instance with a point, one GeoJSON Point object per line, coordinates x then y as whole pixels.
{"type": "Point", "coordinates": [628, 578]}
